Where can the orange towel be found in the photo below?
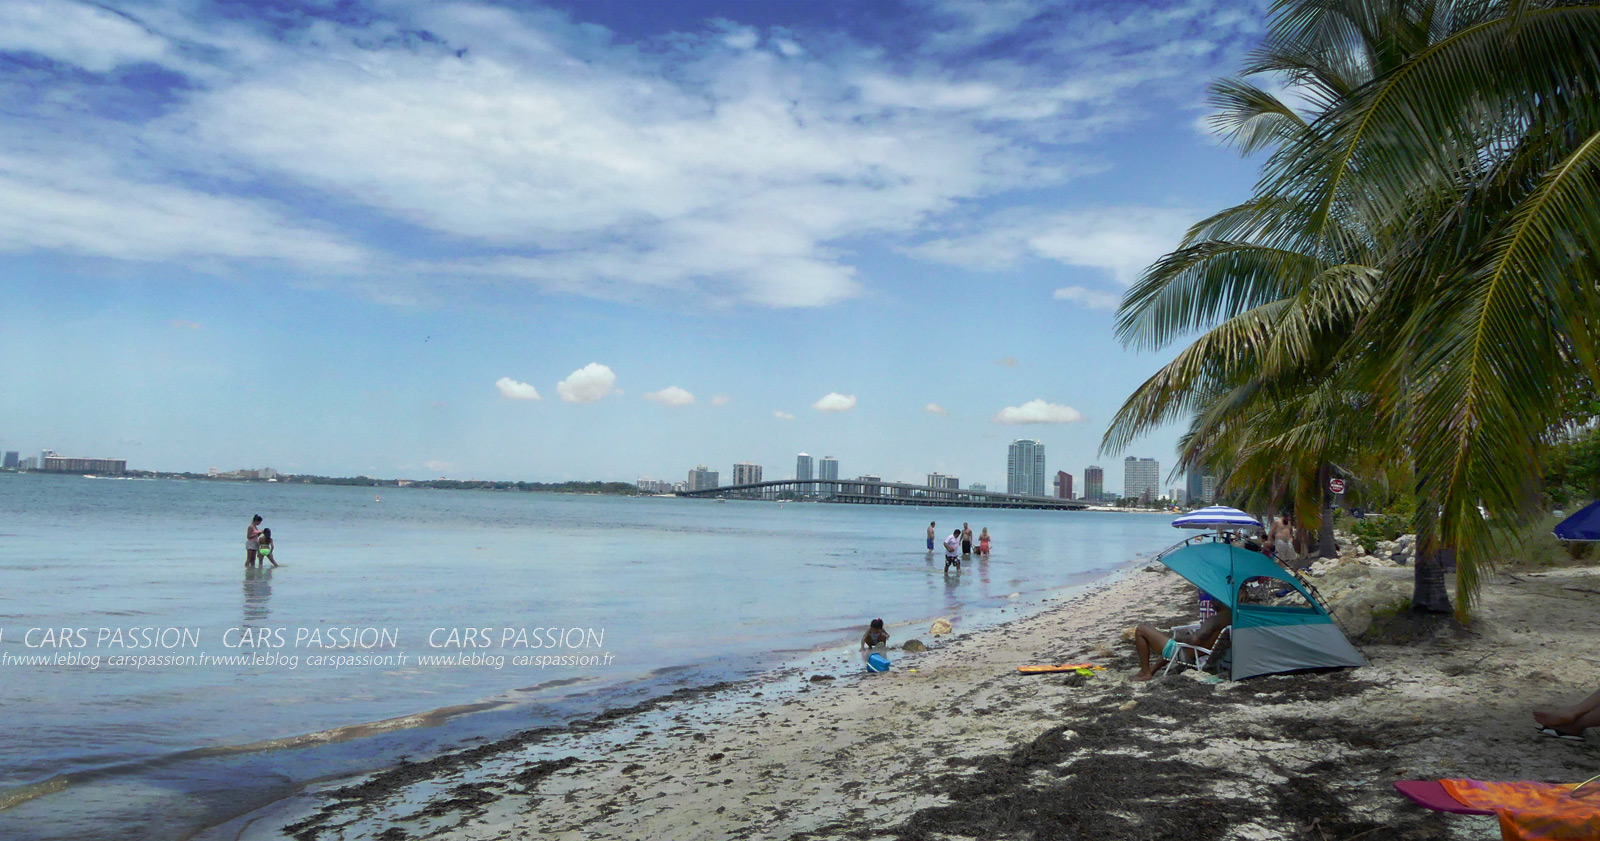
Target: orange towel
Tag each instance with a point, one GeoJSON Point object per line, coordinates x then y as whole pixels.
{"type": "Point", "coordinates": [1532, 811]}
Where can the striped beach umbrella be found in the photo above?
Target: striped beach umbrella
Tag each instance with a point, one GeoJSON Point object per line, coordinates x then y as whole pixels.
{"type": "Point", "coordinates": [1216, 517]}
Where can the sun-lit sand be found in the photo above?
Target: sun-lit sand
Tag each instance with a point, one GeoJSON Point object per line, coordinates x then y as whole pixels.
{"type": "Point", "coordinates": [953, 742]}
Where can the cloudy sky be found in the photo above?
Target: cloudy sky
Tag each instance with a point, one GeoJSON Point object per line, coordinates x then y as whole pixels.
{"type": "Point", "coordinates": [604, 239]}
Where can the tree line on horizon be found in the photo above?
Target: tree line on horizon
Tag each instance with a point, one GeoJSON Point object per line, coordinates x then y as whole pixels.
{"type": "Point", "coordinates": [1409, 298]}
{"type": "Point", "coordinates": [593, 486]}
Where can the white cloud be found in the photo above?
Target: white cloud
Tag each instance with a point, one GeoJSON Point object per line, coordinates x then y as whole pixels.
{"type": "Point", "coordinates": [720, 400]}
{"type": "Point", "coordinates": [1122, 241]}
{"type": "Point", "coordinates": [90, 37]}
{"type": "Point", "coordinates": [979, 21]}
{"type": "Point", "coordinates": [1092, 298]}
{"type": "Point", "coordinates": [514, 390]}
{"type": "Point", "coordinates": [728, 164]}
{"type": "Point", "coordinates": [1037, 411]}
{"type": "Point", "coordinates": [588, 384]}
{"type": "Point", "coordinates": [180, 324]}
{"type": "Point", "coordinates": [671, 396]}
{"type": "Point", "coordinates": [1007, 361]}
{"type": "Point", "coordinates": [780, 415]}
{"type": "Point", "coordinates": [935, 409]}
{"type": "Point", "coordinates": [833, 401]}
{"type": "Point", "coordinates": [82, 205]}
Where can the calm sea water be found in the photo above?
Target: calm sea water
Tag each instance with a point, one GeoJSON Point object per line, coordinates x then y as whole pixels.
{"type": "Point", "coordinates": [663, 592]}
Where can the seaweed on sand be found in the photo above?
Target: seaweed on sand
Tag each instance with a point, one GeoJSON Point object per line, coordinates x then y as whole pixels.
{"type": "Point", "coordinates": [1113, 774]}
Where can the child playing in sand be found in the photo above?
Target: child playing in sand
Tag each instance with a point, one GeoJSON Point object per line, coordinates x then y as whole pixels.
{"type": "Point", "coordinates": [952, 545]}
{"type": "Point", "coordinates": [876, 636]}
{"type": "Point", "coordinates": [264, 547]}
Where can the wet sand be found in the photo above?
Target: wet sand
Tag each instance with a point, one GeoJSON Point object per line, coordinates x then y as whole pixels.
{"type": "Point", "coordinates": [954, 743]}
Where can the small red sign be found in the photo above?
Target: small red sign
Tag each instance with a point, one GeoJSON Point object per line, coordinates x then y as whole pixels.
{"type": "Point", "coordinates": [1336, 485]}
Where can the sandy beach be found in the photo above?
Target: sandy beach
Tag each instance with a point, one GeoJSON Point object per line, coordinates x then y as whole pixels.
{"type": "Point", "coordinates": [954, 743]}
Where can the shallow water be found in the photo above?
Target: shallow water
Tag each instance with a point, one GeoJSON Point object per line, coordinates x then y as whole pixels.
{"type": "Point", "coordinates": [662, 592]}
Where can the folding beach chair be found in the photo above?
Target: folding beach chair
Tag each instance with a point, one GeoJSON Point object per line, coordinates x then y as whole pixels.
{"type": "Point", "coordinates": [1194, 655]}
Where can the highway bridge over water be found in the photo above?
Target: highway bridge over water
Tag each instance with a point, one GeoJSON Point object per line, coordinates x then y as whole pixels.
{"type": "Point", "coordinates": [883, 493]}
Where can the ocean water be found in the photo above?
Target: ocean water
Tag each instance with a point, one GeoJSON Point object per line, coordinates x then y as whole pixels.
{"type": "Point", "coordinates": [135, 594]}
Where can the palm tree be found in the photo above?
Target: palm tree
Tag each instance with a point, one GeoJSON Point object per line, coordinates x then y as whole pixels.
{"type": "Point", "coordinates": [1431, 215]}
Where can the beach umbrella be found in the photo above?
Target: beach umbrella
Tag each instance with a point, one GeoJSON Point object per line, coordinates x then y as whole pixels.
{"type": "Point", "coordinates": [1216, 517]}
{"type": "Point", "coordinates": [1584, 525]}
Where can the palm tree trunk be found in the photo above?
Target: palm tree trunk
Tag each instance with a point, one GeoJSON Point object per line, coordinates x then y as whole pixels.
{"type": "Point", "coordinates": [1325, 543]}
{"type": "Point", "coordinates": [1428, 593]}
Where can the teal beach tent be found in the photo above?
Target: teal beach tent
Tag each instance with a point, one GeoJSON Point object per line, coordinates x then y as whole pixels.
{"type": "Point", "coordinates": [1266, 638]}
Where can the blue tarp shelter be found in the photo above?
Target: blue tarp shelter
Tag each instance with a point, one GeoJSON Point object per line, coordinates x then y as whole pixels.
{"type": "Point", "coordinates": [1584, 525]}
{"type": "Point", "coordinates": [1266, 638]}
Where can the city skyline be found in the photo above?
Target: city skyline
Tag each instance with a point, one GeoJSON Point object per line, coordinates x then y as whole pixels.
{"type": "Point", "coordinates": [825, 468]}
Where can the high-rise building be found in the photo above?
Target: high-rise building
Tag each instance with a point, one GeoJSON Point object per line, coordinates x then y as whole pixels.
{"type": "Point", "coordinates": [1141, 478]}
{"type": "Point", "coordinates": [943, 482]}
{"type": "Point", "coordinates": [977, 486]}
{"type": "Point", "coordinates": [802, 468]}
{"type": "Point", "coordinates": [745, 473]}
{"type": "Point", "coordinates": [1025, 468]}
{"type": "Point", "coordinates": [13, 459]}
{"type": "Point", "coordinates": [828, 471]}
{"type": "Point", "coordinates": [50, 462]}
{"type": "Point", "coordinates": [1194, 487]}
{"type": "Point", "coordinates": [1208, 489]}
{"type": "Point", "coordinates": [701, 479]}
{"type": "Point", "coordinates": [1063, 484]}
{"type": "Point", "coordinates": [1094, 483]}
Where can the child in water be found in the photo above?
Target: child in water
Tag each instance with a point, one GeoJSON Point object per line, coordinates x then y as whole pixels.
{"type": "Point", "coordinates": [875, 636]}
{"type": "Point", "coordinates": [952, 545]}
{"type": "Point", "coordinates": [264, 547]}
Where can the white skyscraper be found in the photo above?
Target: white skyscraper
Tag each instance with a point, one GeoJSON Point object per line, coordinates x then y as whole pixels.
{"type": "Point", "coordinates": [1141, 478]}
{"type": "Point", "coordinates": [1025, 468]}
{"type": "Point", "coordinates": [802, 468]}
{"type": "Point", "coordinates": [745, 473]}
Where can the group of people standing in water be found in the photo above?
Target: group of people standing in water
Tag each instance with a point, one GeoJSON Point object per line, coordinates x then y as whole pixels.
{"type": "Point", "coordinates": [959, 540]}
{"type": "Point", "coordinates": [258, 545]}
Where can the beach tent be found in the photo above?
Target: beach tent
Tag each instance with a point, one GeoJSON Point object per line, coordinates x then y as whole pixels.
{"type": "Point", "coordinates": [1266, 638]}
{"type": "Point", "coordinates": [1584, 525]}
{"type": "Point", "coordinates": [1216, 517]}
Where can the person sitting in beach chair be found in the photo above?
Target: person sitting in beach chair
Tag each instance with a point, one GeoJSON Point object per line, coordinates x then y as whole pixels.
{"type": "Point", "coordinates": [1150, 641]}
{"type": "Point", "coordinates": [876, 636]}
{"type": "Point", "coordinates": [1570, 722]}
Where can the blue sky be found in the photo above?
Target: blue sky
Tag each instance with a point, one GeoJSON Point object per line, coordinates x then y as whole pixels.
{"type": "Point", "coordinates": [594, 240]}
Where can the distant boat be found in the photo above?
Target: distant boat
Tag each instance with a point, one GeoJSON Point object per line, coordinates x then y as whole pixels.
{"type": "Point", "coordinates": [377, 499]}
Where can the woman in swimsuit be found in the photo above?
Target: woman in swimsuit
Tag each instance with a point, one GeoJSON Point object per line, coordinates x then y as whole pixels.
{"type": "Point", "coordinates": [252, 535]}
{"type": "Point", "coordinates": [264, 547]}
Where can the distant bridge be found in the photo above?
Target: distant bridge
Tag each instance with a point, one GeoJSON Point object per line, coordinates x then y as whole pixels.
{"type": "Point", "coordinates": [884, 493]}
